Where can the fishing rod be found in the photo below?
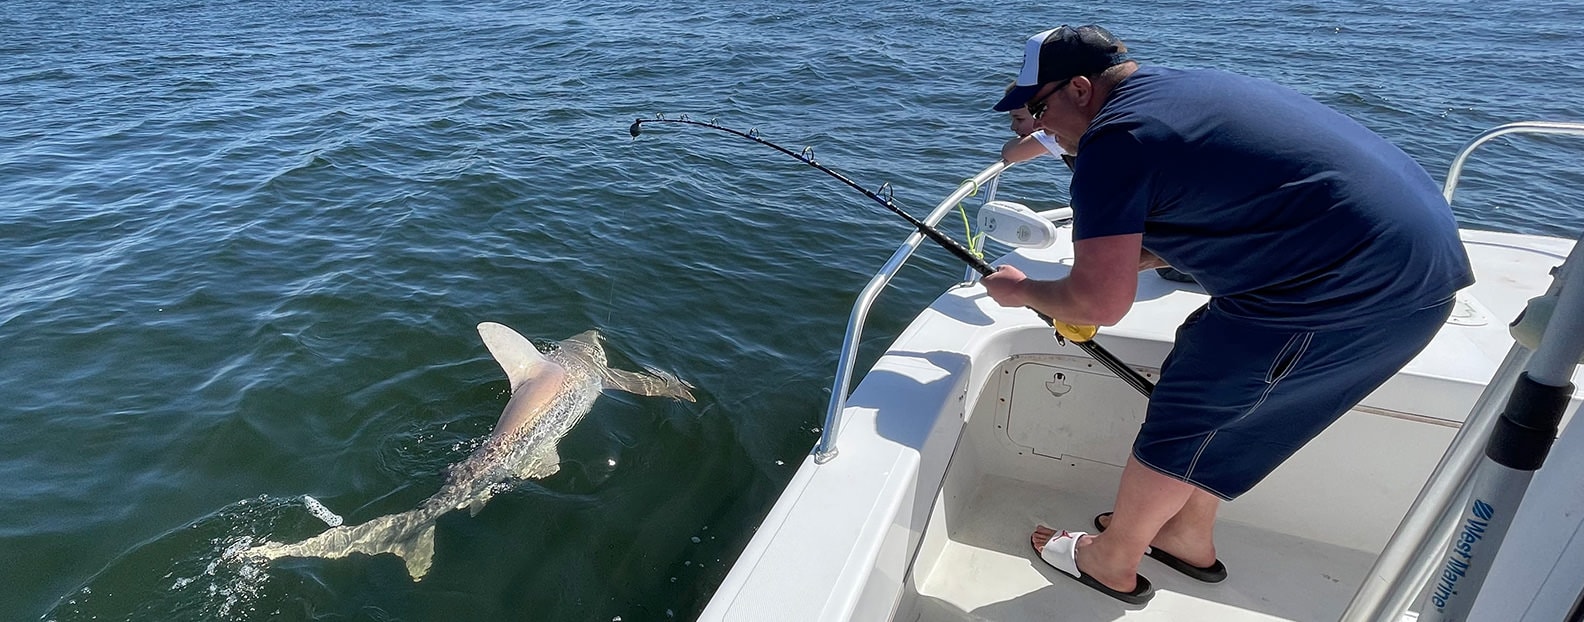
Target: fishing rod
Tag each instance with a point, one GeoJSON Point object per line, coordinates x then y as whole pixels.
{"type": "Point", "coordinates": [1081, 335]}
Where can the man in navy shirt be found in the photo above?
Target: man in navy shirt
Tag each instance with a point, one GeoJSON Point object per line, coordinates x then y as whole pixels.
{"type": "Point", "coordinates": [1330, 257]}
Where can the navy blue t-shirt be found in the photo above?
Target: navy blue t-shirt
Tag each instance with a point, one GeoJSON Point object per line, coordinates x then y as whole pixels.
{"type": "Point", "coordinates": [1286, 211]}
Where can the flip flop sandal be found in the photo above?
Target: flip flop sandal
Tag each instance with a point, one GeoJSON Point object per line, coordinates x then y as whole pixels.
{"type": "Point", "coordinates": [1060, 553]}
{"type": "Point", "coordinates": [1214, 573]}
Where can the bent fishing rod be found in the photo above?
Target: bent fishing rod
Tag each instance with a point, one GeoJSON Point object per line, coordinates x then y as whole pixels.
{"type": "Point", "coordinates": [1081, 335]}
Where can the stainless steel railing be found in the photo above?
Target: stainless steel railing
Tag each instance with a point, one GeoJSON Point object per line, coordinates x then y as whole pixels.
{"type": "Point", "coordinates": [1409, 559]}
{"type": "Point", "coordinates": [825, 450]}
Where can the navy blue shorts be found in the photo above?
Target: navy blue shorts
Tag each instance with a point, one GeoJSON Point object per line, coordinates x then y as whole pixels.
{"type": "Point", "coordinates": [1236, 399]}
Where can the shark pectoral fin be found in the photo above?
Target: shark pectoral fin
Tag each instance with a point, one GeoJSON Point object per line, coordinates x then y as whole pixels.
{"type": "Point", "coordinates": [655, 382]}
{"type": "Point", "coordinates": [542, 468]}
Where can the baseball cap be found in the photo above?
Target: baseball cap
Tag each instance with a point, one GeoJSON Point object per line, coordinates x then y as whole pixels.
{"type": "Point", "coordinates": [1061, 53]}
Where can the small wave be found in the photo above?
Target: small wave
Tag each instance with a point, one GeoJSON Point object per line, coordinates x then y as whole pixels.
{"type": "Point", "coordinates": [195, 572]}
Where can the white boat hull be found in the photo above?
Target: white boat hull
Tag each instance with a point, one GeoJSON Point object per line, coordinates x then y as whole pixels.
{"type": "Point", "coordinates": [976, 426]}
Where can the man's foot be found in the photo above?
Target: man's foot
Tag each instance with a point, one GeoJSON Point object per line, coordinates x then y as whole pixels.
{"type": "Point", "coordinates": [1124, 584]}
{"type": "Point", "coordinates": [1191, 562]}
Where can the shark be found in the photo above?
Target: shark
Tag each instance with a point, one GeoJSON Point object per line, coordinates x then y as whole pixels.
{"type": "Point", "coordinates": [551, 391]}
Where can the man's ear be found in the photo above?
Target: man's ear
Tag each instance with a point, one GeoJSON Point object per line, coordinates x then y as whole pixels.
{"type": "Point", "coordinates": [1084, 90]}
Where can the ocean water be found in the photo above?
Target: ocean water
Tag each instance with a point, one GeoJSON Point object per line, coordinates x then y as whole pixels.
{"type": "Point", "coordinates": [245, 246]}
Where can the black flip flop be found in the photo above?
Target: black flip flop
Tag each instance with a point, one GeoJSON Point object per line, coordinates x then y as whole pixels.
{"type": "Point", "coordinates": [1214, 573]}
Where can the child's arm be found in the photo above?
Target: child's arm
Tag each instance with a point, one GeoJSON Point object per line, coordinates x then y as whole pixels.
{"type": "Point", "coordinates": [1022, 149]}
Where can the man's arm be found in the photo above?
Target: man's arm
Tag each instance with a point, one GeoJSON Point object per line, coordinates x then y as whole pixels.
{"type": "Point", "coordinates": [1099, 290]}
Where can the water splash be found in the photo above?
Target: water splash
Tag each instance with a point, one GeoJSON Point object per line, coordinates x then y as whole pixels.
{"type": "Point", "coordinates": [195, 572]}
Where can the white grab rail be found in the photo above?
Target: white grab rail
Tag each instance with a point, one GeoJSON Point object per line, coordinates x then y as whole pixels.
{"type": "Point", "coordinates": [825, 450]}
{"type": "Point", "coordinates": [1410, 557]}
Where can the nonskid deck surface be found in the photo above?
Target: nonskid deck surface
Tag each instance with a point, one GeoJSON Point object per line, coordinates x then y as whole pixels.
{"type": "Point", "coordinates": [988, 570]}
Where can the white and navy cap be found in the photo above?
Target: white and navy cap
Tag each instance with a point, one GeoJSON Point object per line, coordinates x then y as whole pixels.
{"type": "Point", "coordinates": [1059, 54]}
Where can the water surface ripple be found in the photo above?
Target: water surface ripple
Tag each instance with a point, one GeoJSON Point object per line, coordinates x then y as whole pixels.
{"type": "Point", "coordinates": [246, 244]}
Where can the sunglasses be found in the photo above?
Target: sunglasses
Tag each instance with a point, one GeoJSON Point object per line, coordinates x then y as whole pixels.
{"type": "Point", "coordinates": [1036, 109]}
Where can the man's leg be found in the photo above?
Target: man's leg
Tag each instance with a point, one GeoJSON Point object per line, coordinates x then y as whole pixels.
{"type": "Point", "coordinates": [1190, 535]}
{"type": "Point", "coordinates": [1146, 501]}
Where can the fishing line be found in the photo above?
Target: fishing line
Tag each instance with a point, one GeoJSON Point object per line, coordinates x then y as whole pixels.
{"type": "Point", "coordinates": [1081, 335]}
{"type": "Point", "coordinates": [610, 299]}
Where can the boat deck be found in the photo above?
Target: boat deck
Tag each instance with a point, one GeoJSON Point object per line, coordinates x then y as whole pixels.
{"type": "Point", "coordinates": [995, 574]}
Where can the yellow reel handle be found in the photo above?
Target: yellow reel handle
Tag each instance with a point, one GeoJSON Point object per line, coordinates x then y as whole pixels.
{"type": "Point", "coordinates": [1070, 332]}
{"type": "Point", "coordinates": [1074, 332]}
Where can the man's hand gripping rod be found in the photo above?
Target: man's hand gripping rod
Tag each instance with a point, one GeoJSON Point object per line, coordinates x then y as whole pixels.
{"type": "Point", "coordinates": [1081, 335]}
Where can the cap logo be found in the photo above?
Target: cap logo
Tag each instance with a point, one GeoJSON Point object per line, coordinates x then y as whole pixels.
{"type": "Point", "coordinates": [1029, 76]}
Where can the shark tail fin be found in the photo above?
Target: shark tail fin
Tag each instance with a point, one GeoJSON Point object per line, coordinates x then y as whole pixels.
{"type": "Point", "coordinates": [410, 536]}
{"type": "Point", "coordinates": [418, 553]}
{"type": "Point", "coordinates": [516, 355]}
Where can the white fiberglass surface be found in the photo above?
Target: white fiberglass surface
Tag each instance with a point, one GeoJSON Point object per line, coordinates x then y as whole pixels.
{"type": "Point", "coordinates": [1042, 448]}
{"type": "Point", "coordinates": [988, 570]}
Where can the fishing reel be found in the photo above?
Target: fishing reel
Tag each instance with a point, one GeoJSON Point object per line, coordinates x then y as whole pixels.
{"type": "Point", "coordinates": [1015, 225]}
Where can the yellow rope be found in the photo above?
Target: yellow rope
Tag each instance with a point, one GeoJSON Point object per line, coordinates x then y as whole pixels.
{"type": "Point", "coordinates": [974, 247]}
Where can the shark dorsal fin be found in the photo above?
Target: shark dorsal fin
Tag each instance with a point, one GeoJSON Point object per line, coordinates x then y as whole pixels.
{"type": "Point", "coordinates": [590, 336]}
{"type": "Point", "coordinates": [585, 347]}
{"type": "Point", "coordinates": [516, 355]}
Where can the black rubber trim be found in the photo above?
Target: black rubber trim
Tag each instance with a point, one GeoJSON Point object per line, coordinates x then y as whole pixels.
{"type": "Point", "coordinates": [1528, 426]}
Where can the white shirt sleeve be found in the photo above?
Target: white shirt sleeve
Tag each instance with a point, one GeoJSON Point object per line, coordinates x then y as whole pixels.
{"type": "Point", "coordinates": [1049, 141]}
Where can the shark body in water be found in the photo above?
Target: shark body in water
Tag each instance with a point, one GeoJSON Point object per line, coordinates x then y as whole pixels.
{"type": "Point", "coordinates": [550, 392]}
